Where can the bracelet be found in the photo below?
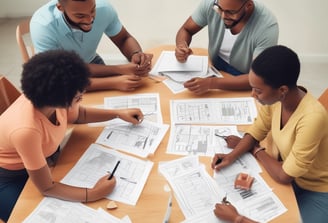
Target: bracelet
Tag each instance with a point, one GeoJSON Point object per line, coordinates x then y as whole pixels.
{"type": "Point", "coordinates": [86, 195]}
{"type": "Point", "coordinates": [255, 151]}
{"type": "Point", "coordinates": [239, 219]}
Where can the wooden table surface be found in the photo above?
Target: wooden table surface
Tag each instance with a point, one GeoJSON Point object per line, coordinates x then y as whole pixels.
{"type": "Point", "coordinates": [152, 204]}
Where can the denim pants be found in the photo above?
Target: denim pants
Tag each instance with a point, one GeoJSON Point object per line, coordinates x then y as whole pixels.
{"type": "Point", "coordinates": [221, 64]}
{"type": "Point", "coordinates": [12, 183]}
{"type": "Point", "coordinates": [313, 205]}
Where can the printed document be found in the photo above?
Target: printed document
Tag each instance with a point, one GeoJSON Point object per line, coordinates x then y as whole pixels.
{"type": "Point", "coordinates": [52, 210]}
{"type": "Point", "coordinates": [141, 140]}
{"type": "Point", "coordinates": [199, 139]}
{"type": "Point", "coordinates": [225, 111]}
{"type": "Point", "coordinates": [194, 189]}
{"type": "Point", "coordinates": [131, 175]}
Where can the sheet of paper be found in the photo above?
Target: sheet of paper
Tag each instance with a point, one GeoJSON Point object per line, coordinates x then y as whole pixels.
{"type": "Point", "coordinates": [194, 189]}
{"type": "Point", "coordinates": [51, 210]}
{"type": "Point", "coordinates": [131, 174]}
{"type": "Point", "coordinates": [149, 104]}
{"type": "Point", "coordinates": [199, 139]}
{"type": "Point", "coordinates": [225, 111]}
{"type": "Point", "coordinates": [141, 140]}
{"type": "Point", "coordinates": [208, 217]}
{"type": "Point", "coordinates": [110, 218]}
{"type": "Point", "coordinates": [259, 203]}
{"type": "Point", "coordinates": [177, 73]}
{"type": "Point", "coordinates": [167, 62]}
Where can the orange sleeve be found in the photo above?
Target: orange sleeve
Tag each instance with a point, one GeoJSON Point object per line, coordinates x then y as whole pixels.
{"type": "Point", "coordinates": [27, 142]}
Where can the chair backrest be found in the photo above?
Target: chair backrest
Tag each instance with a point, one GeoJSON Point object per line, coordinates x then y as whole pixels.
{"type": "Point", "coordinates": [8, 94]}
{"type": "Point", "coordinates": [324, 99]}
{"type": "Point", "coordinates": [26, 47]}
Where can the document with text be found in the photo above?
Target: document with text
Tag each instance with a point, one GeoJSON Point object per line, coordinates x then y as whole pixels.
{"type": "Point", "coordinates": [141, 140]}
{"type": "Point", "coordinates": [131, 174]}
{"type": "Point", "coordinates": [225, 111]}
{"type": "Point", "coordinates": [199, 139]}
{"type": "Point", "coordinates": [52, 210]}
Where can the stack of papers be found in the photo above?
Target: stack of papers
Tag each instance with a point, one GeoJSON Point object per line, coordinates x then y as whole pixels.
{"type": "Point", "coordinates": [168, 64]}
{"type": "Point", "coordinates": [177, 73]}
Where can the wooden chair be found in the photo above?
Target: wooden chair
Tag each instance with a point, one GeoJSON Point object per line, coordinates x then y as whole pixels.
{"type": "Point", "coordinates": [26, 47]}
{"type": "Point", "coordinates": [324, 99]}
{"type": "Point", "coordinates": [8, 94]}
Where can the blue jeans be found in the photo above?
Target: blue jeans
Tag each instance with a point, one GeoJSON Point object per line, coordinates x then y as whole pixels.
{"type": "Point", "coordinates": [220, 64]}
{"type": "Point", "coordinates": [313, 205]}
{"type": "Point", "coordinates": [11, 184]}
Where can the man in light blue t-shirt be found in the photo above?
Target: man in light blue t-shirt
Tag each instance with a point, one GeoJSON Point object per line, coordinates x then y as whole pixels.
{"type": "Point", "coordinates": [238, 31]}
{"type": "Point", "coordinates": [79, 26]}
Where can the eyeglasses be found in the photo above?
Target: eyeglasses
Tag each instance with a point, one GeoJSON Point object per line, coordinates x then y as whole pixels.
{"type": "Point", "coordinates": [219, 10]}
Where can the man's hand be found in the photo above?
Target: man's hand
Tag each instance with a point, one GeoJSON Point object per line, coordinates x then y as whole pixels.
{"type": "Point", "coordinates": [199, 85]}
{"type": "Point", "coordinates": [126, 82]}
{"type": "Point", "coordinates": [142, 63]}
{"type": "Point", "coordinates": [182, 52]}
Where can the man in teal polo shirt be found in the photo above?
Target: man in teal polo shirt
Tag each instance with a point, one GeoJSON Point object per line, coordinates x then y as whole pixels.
{"type": "Point", "coordinates": [238, 31]}
{"type": "Point", "coordinates": [79, 26]}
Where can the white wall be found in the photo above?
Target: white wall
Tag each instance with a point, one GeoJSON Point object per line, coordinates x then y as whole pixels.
{"type": "Point", "coordinates": [303, 23]}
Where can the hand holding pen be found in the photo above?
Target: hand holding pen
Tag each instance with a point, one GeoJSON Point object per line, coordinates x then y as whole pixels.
{"type": "Point", "coordinates": [219, 161]}
{"type": "Point", "coordinates": [182, 51]}
{"type": "Point", "coordinates": [114, 170]}
{"type": "Point", "coordinates": [132, 115]}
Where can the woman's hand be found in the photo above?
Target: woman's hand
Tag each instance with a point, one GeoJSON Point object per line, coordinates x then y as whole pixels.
{"type": "Point", "coordinates": [220, 161]}
{"type": "Point", "coordinates": [226, 212]}
{"type": "Point", "coordinates": [132, 115]}
{"type": "Point", "coordinates": [102, 188]}
{"type": "Point", "coordinates": [232, 141]}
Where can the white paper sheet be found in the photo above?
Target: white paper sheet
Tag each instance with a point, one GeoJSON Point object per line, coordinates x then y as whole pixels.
{"type": "Point", "coordinates": [194, 189]}
{"type": "Point", "coordinates": [225, 111]}
{"type": "Point", "coordinates": [52, 210]}
{"type": "Point", "coordinates": [199, 139]}
{"type": "Point", "coordinates": [131, 175]}
{"type": "Point", "coordinates": [141, 140]}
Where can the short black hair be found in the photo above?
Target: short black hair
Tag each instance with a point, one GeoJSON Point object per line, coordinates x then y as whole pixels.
{"type": "Point", "coordinates": [277, 65]}
{"type": "Point", "coordinates": [54, 77]}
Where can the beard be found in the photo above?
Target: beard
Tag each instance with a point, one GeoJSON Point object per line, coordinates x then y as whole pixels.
{"type": "Point", "coordinates": [234, 21]}
{"type": "Point", "coordinates": [77, 25]}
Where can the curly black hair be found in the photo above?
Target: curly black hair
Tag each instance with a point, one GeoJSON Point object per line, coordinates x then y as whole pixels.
{"type": "Point", "coordinates": [277, 65]}
{"type": "Point", "coordinates": [54, 77]}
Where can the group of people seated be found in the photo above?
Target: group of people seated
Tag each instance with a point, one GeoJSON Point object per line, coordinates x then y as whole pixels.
{"type": "Point", "coordinates": [243, 42]}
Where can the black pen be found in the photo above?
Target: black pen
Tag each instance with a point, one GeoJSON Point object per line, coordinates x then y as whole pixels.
{"type": "Point", "coordinates": [112, 174]}
{"type": "Point", "coordinates": [137, 117]}
{"type": "Point", "coordinates": [218, 161]}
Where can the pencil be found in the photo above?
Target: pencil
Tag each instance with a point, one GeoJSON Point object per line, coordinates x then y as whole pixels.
{"type": "Point", "coordinates": [112, 174]}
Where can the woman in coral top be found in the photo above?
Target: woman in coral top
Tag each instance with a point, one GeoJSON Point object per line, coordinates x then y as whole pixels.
{"type": "Point", "coordinates": [32, 128]}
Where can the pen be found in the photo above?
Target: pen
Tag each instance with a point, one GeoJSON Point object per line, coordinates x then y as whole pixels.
{"type": "Point", "coordinates": [218, 161]}
{"type": "Point", "coordinates": [112, 174]}
{"type": "Point", "coordinates": [137, 117]}
{"type": "Point", "coordinates": [221, 136]}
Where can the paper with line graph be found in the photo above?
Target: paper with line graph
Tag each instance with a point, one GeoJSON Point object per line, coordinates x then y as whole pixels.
{"type": "Point", "coordinates": [131, 174]}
